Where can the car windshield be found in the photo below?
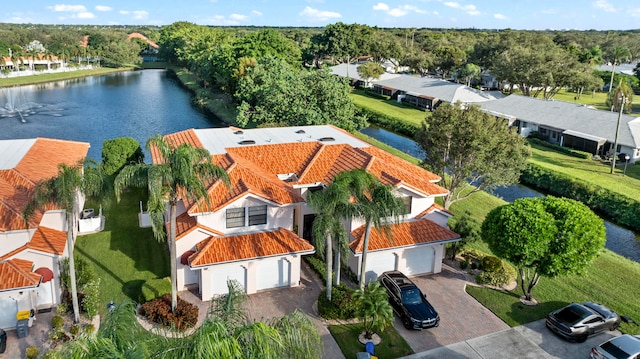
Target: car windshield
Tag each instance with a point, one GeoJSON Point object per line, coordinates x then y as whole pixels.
{"type": "Point", "coordinates": [411, 296]}
{"type": "Point", "coordinates": [614, 350]}
{"type": "Point", "coordinates": [571, 314]}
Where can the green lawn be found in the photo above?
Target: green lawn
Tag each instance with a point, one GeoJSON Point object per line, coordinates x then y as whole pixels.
{"type": "Point", "coordinates": [391, 346]}
{"type": "Point", "coordinates": [123, 256]}
{"type": "Point", "coordinates": [390, 108]}
{"type": "Point", "coordinates": [597, 100]}
{"type": "Point", "coordinates": [40, 78]}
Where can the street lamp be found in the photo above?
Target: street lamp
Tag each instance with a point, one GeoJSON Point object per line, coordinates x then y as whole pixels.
{"type": "Point", "coordinates": [615, 143]}
{"type": "Point", "coordinates": [626, 161]}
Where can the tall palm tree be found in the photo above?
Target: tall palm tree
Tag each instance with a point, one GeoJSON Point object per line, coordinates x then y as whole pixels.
{"type": "Point", "coordinates": [65, 190]}
{"type": "Point", "coordinates": [331, 205]}
{"type": "Point", "coordinates": [375, 203]}
{"type": "Point", "coordinates": [183, 171]}
{"type": "Point", "coordinates": [618, 54]}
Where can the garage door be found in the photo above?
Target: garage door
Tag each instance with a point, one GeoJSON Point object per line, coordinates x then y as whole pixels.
{"type": "Point", "coordinates": [377, 263]}
{"type": "Point", "coordinates": [419, 260]}
{"type": "Point", "coordinates": [273, 273]}
{"type": "Point", "coordinates": [8, 310]}
{"type": "Point", "coordinates": [222, 274]}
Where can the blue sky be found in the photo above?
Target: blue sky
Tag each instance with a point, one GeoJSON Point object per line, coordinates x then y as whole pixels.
{"type": "Point", "coordinates": [486, 14]}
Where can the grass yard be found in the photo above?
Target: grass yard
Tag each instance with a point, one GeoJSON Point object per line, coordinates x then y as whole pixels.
{"type": "Point", "coordinates": [390, 108]}
{"type": "Point", "coordinates": [597, 100]}
{"type": "Point", "coordinates": [392, 345]}
{"type": "Point", "coordinates": [58, 76]}
{"type": "Point", "coordinates": [124, 256]}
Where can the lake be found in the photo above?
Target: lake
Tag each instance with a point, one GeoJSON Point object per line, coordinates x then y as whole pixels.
{"type": "Point", "coordinates": [136, 104]}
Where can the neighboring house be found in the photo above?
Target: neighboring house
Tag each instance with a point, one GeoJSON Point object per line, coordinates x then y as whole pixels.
{"type": "Point", "coordinates": [39, 62]}
{"type": "Point", "coordinates": [30, 252]}
{"type": "Point", "coordinates": [570, 125]}
{"type": "Point", "coordinates": [257, 232]}
{"type": "Point", "coordinates": [422, 92]}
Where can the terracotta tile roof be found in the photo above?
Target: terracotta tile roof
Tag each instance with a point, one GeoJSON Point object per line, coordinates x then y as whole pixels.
{"type": "Point", "coordinates": [176, 139]}
{"type": "Point", "coordinates": [39, 163]}
{"type": "Point", "coordinates": [247, 246]}
{"type": "Point", "coordinates": [435, 207]}
{"type": "Point", "coordinates": [404, 234]}
{"type": "Point", "coordinates": [48, 240]}
{"type": "Point", "coordinates": [185, 224]}
{"type": "Point", "coordinates": [16, 273]}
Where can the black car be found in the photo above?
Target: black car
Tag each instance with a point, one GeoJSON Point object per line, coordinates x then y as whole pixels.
{"type": "Point", "coordinates": [408, 302]}
{"type": "Point", "coordinates": [577, 321]}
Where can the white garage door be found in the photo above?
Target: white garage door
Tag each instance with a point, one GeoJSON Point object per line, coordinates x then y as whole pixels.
{"type": "Point", "coordinates": [419, 260]}
{"type": "Point", "coordinates": [273, 273]}
{"type": "Point", "coordinates": [222, 274]}
{"type": "Point", "coordinates": [45, 295]}
{"type": "Point", "coordinates": [8, 311]}
{"type": "Point", "coordinates": [377, 263]}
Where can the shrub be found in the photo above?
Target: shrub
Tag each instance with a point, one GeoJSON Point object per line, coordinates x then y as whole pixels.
{"type": "Point", "coordinates": [32, 352]}
{"type": "Point", "coordinates": [62, 308]}
{"type": "Point", "coordinates": [155, 288]}
{"type": "Point", "coordinates": [74, 330]}
{"type": "Point", "coordinates": [491, 264]}
{"type": "Point", "coordinates": [118, 152]}
{"type": "Point", "coordinates": [504, 276]}
{"type": "Point", "coordinates": [342, 305]}
{"type": "Point", "coordinates": [89, 329]}
{"type": "Point", "coordinates": [91, 298]}
{"type": "Point", "coordinates": [57, 322]}
{"type": "Point", "coordinates": [464, 264]}
{"type": "Point", "coordinates": [318, 266]}
{"type": "Point", "coordinates": [159, 311]}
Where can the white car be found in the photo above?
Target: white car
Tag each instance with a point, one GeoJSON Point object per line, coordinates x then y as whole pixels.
{"type": "Point", "coordinates": [623, 347]}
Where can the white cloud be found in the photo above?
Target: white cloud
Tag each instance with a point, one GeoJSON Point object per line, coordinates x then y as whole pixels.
{"type": "Point", "coordinates": [381, 6]}
{"type": "Point", "coordinates": [85, 15]}
{"type": "Point", "coordinates": [319, 15]}
{"type": "Point", "coordinates": [549, 11]}
{"type": "Point", "coordinates": [499, 16]}
{"type": "Point", "coordinates": [124, 12]}
{"type": "Point", "coordinates": [103, 8]}
{"type": "Point", "coordinates": [635, 12]}
{"type": "Point", "coordinates": [469, 9]}
{"type": "Point", "coordinates": [68, 8]}
{"type": "Point", "coordinates": [140, 14]}
{"type": "Point", "coordinates": [238, 17]}
{"type": "Point", "coordinates": [256, 12]}
{"type": "Point", "coordinates": [604, 5]}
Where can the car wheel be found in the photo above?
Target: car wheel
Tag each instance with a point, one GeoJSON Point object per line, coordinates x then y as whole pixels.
{"type": "Point", "coordinates": [614, 326]}
{"type": "Point", "coordinates": [582, 338]}
{"type": "Point", "coordinates": [407, 323]}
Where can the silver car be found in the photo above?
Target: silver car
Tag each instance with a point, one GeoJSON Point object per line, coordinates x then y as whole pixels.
{"type": "Point", "coordinates": [623, 347]}
{"type": "Point", "coordinates": [576, 322]}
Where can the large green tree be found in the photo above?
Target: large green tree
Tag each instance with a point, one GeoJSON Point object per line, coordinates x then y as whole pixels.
{"type": "Point", "coordinates": [370, 70]}
{"type": "Point", "coordinates": [182, 173]}
{"type": "Point", "coordinates": [544, 237]}
{"type": "Point", "coordinates": [65, 191]}
{"type": "Point", "coordinates": [471, 150]}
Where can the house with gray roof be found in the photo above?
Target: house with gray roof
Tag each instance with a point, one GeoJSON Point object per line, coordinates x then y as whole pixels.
{"type": "Point", "coordinates": [570, 125]}
{"type": "Point", "coordinates": [422, 92]}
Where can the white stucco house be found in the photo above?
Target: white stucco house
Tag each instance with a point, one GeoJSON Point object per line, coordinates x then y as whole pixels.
{"type": "Point", "coordinates": [258, 231]}
{"type": "Point", "coordinates": [30, 252]}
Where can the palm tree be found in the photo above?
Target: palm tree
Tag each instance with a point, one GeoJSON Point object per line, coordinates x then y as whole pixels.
{"type": "Point", "coordinates": [330, 204]}
{"type": "Point", "coordinates": [618, 53]}
{"type": "Point", "coordinates": [65, 190]}
{"type": "Point", "coordinates": [375, 310]}
{"type": "Point", "coordinates": [182, 171]}
{"type": "Point", "coordinates": [374, 202]}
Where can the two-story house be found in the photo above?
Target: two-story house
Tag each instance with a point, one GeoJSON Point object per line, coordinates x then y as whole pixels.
{"type": "Point", "coordinates": [30, 252]}
{"type": "Point", "coordinates": [257, 231]}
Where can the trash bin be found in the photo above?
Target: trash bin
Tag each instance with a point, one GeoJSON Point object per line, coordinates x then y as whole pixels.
{"type": "Point", "coordinates": [22, 328]}
{"type": "Point", "coordinates": [363, 355]}
{"type": "Point", "coordinates": [369, 348]}
{"type": "Point", "coordinates": [3, 341]}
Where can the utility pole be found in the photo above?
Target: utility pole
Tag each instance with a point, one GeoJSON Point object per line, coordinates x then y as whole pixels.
{"type": "Point", "coordinates": [615, 143]}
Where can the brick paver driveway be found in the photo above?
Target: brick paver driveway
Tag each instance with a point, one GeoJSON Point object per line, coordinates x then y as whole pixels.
{"type": "Point", "coordinates": [461, 316]}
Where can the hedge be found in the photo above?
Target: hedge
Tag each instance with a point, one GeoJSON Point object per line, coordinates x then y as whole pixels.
{"type": "Point", "coordinates": [565, 150]}
{"type": "Point", "coordinates": [617, 208]}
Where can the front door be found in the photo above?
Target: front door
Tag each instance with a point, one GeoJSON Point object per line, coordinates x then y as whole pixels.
{"type": "Point", "coordinates": [307, 226]}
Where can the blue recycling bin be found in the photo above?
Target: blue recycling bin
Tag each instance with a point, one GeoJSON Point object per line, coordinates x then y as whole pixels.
{"type": "Point", "coordinates": [369, 348]}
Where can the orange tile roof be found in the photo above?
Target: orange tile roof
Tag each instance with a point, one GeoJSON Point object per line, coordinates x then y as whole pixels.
{"type": "Point", "coordinates": [16, 274]}
{"type": "Point", "coordinates": [48, 240]}
{"type": "Point", "coordinates": [435, 207]}
{"type": "Point", "coordinates": [39, 163]}
{"type": "Point", "coordinates": [404, 234]}
{"type": "Point", "coordinates": [215, 250]}
{"type": "Point", "coordinates": [185, 224]}
{"type": "Point", "coordinates": [176, 139]}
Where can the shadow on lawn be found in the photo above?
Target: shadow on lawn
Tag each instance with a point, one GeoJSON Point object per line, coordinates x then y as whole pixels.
{"type": "Point", "coordinates": [523, 314]}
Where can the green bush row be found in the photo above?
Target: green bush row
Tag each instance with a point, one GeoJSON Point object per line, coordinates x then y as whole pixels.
{"type": "Point", "coordinates": [343, 305]}
{"type": "Point", "coordinates": [619, 209]}
{"type": "Point", "coordinates": [389, 123]}
{"type": "Point", "coordinates": [565, 150]}
{"type": "Point", "coordinates": [318, 266]}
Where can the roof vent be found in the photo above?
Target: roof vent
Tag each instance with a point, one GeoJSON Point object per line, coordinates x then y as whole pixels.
{"type": "Point", "coordinates": [300, 131]}
{"type": "Point", "coordinates": [247, 142]}
{"type": "Point", "coordinates": [239, 132]}
{"type": "Point", "coordinates": [327, 139]}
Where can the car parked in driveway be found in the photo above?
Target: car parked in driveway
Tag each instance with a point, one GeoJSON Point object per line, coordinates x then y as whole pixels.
{"type": "Point", "coordinates": [408, 302]}
{"type": "Point", "coordinates": [577, 321]}
{"type": "Point", "coordinates": [623, 347]}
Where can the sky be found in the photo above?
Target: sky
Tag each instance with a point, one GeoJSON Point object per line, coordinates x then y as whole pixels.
{"type": "Point", "coordinates": [479, 14]}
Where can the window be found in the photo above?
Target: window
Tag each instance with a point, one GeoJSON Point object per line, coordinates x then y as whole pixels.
{"type": "Point", "coordinates": [407, 203]}
{"type": "Point", "coordinates": [257, 215]}
{"type": "Point", "coordinates": [235, 217]}
{"type": "Point", "coordinates": [246, 216]}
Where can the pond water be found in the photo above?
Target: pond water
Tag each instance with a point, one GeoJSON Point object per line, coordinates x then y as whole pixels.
{"type": "Point", "coordinates": [619, 240]}
{"type": "Point", "coordinates": [136, 104]}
